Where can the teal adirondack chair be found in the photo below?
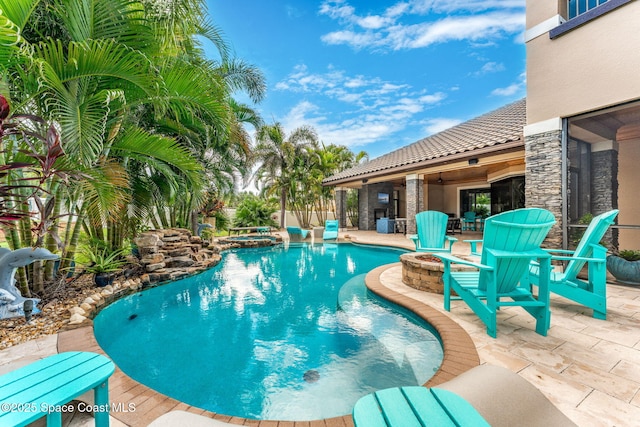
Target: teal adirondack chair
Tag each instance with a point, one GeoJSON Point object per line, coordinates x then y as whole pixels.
{"type": "Point", "coordinates": [511, 242]}
{"type": "Point", "coordinates": [432, 232]}
{"type": "Point", "coordinates": [330, 229]}
{"type": "Point", "coordinates": [469, 221]}
{"type": "Point", "coordinates": [593, 292]}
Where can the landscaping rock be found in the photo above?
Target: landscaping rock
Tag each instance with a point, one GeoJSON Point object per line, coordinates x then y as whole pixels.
{"type": "Point", "coordinates": [76, 319]}
{"type": "Point", "coordinates": [76, 310]}
{"type": "Point", "coordinates": [178, 262]}
{"type": "Point", "coordinates": [155, 267]}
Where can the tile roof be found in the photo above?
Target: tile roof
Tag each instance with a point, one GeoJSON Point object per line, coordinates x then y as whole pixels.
{"type": "Point", "coordinates": [489, 130]}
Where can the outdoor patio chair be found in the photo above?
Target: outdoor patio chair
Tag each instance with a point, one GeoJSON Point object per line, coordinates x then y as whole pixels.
{"type": "Point", "coordinates": [330, 229]}
{"type": "Point", "coordinates": [43, 388]}
{"type": "Point", "coordinates": [592, 292]}
{"type": "Point", "coordinates": [511, 241]}
{"type": "Point", "coordinates": [469, 221]}
{"type": "Point", "coordinates": [297, 234]}
{"type": "Point", "coordinates": [432, 232]}
{"type": "Point", "coordinates": [482, 396]}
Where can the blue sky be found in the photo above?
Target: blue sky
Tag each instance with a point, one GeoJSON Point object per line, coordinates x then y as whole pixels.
{"type": "Point", "coordinates": [378, 75]}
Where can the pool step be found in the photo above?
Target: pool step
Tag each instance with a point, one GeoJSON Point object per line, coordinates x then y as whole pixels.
{"type": "Point", "coordinates": [354, 301]}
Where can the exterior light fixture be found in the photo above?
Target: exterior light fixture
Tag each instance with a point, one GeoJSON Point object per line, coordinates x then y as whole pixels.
{"type": "Point", "coordinates": [27, 307]}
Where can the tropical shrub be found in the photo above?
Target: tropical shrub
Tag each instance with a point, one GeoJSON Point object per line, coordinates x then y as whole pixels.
{"type": "Point", "coordinates": [255, 212]}
{"type": "Point", "coordinates": [352, 206]}
{"type": "Point", "coordinates": [29, 171]}
{"type": "Point", "coordinates": [103, 260]}
{"type": "Point", "coordinates": [222, 220]}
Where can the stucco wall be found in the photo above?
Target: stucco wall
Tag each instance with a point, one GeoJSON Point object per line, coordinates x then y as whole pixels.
{"type": "Point", "coordinates": [591, 67]}
{"type": "Point", "coordinates": [541, 10]}
{"type": "Point", "coordinates": [446, 198]}
{"type": "Point", "coordinates": [436, 200]}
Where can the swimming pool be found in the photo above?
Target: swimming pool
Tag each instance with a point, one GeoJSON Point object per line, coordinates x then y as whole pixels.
{"type": "Point", "coordinates": [286, 333]}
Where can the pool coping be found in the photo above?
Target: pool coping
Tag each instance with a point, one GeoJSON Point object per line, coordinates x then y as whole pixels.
{"type": "Point", "coordinates": [460, 355]}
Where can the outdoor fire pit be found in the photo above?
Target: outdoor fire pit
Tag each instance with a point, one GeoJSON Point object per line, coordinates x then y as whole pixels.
{"type": "Point", "coordinates": [423, 271]}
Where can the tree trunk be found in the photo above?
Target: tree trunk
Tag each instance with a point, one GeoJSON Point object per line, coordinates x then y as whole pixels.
{"type": "Point", "coordinates": [283, 206]}
{"type": "Point", "coordinates": [71, 245]}
{"type": "Point", "coordinates": [38, 278]}
{"type": "Point", "coordinates": [51, 244]}
{"type": "Point", "coordinates": [194, 223]}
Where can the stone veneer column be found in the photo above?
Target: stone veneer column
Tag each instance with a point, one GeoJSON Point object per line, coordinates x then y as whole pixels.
{"type": "Point", "coordinates": [363, 208]}
{"type": "Point", "coordinates": [604, 186]}
{"type": "Point", "coordinates": [543, 178]}
{"type": "Point", "coordinates": [414, 200]}
{"type": "Point", "coordinates": [341, 206]}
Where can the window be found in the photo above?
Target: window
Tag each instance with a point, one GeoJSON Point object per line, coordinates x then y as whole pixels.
{"type": "Point", "coordinates": [578, 7]}
{"type": "Point", "coordinates": [602, 158]}
{"type": "Point", "coordinates": [579, 169]}
{"type": "Point", "coordinates": [582, 11]}
{"type": "Point", "coordinates": [477, 200]}
{"type": "Point", "coordinates": [507, 194]}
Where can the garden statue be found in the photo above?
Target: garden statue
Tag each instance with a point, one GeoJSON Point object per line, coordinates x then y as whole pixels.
{"type": "Point", "coordinates": [11, 301]}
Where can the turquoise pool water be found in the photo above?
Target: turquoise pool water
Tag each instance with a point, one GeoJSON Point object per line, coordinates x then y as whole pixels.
{"type": "Point", "coordinates": [287, 333]}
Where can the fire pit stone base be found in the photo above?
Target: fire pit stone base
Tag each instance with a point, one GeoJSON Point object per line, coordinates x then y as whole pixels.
{"type": "Point", "coordinates": [423, 271]}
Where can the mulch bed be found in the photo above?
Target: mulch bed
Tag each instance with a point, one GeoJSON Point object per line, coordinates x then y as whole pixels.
{"type": "Point", "coordinates": [54, 315]}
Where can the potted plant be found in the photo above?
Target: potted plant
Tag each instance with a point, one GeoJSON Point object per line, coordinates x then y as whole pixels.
{"type": "Point", "coordinates": [625, 266]}
{"type": "Point", "coordinates": [103, 264]}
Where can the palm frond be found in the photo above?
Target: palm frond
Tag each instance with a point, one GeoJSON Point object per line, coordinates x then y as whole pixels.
{"type": "Point", "coordinates": [120, 20]}
{"type": "Point", "coordinates": [114, 62]}
{"type": "Point", "coordinates": [144, 147]}
{"type": "Point", "coordinates": [9, 38]}
{"type": "Point", "coordinates": [104, 191]}
{"type": "Point", "coordinates": [18, 11]}
{"type": "Point", "coordinates": [241, 76]}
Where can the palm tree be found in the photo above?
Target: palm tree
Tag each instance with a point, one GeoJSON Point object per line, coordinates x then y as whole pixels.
{"type": "Point", "coordinates": [139, 108]}
{"type": "Point", "coordinates": [277, 153]}
{"type": "Point", "coordinates": [329, 160]}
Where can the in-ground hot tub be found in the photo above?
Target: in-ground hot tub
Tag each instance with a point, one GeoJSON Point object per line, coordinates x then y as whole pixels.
{"type": "Point", "coordinates": [423, 271]}
{"type": "Point", "coordinates": [251, 241]}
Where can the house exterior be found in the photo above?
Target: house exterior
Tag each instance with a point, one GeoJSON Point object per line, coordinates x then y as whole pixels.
{"type": "Point", "coordinates": [446, 172]}
{"type": "Point", "coordinates": [582, 138]}
{"type": "Point", "coordinates": [571, 147]}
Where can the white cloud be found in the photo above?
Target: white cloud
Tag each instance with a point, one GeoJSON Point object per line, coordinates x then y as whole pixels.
{"type": "Point", "coordinates": [356, 40]}
{"type": "Point", "coordinates": [507, 91]}
{"type": "Point", "coordinates": [474, 21]}
{"type": "Point", "coordinates": [440, 6]}
{"type": "Point", "coordinates": [337, 9]}
{"type": "Point", "coordinates": [373, 22]}
{"type": "Point", "coordinates": [375, 109]}
{"type": "Point", "coordinates": [489, 67]}
{"type": "Point", "coordinates": [360, 90]}
{"type": "Point", "coordinates": [433, 99]}
{"type": "Point", "coordinates": [352, 132]}
{"type": "Point", "coordinates": [439, 124]}
{"type": "Point", "coordinates": [513, 88]}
